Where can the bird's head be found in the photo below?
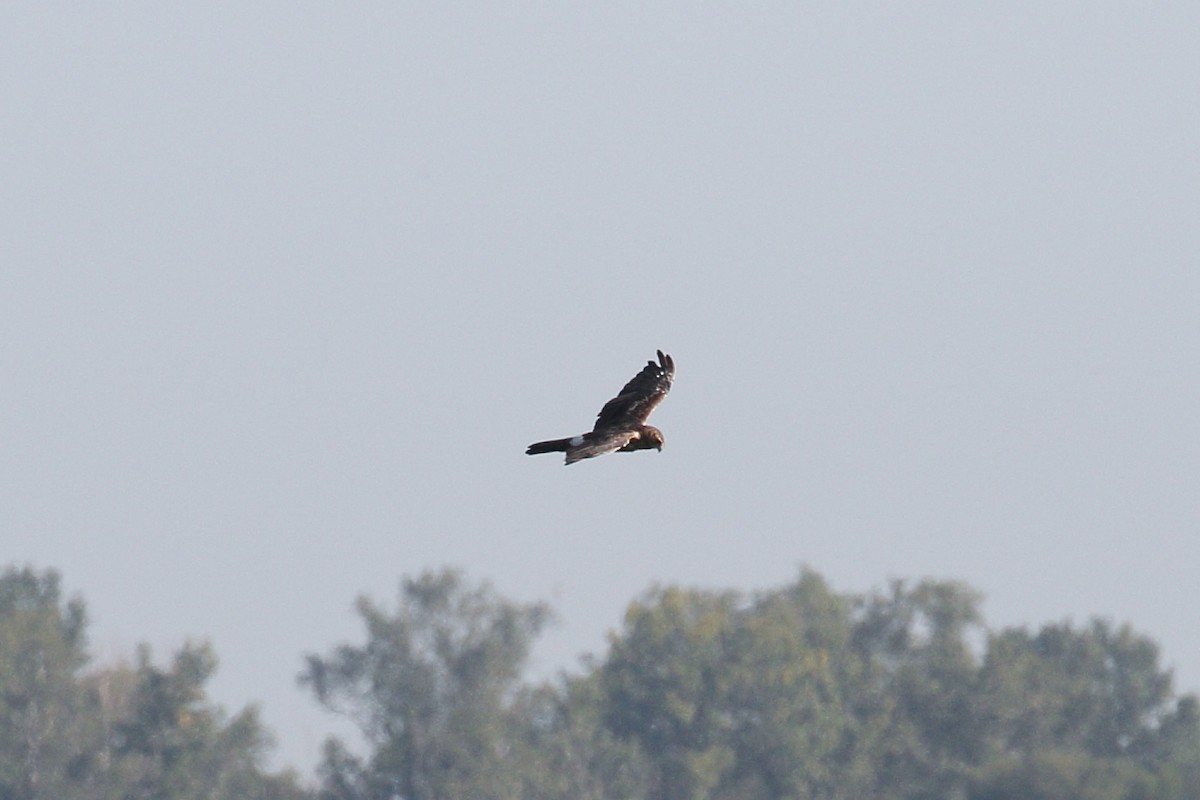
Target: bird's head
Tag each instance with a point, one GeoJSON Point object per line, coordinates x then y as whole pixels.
{"type": "Point", "coordinates": [653, 437]}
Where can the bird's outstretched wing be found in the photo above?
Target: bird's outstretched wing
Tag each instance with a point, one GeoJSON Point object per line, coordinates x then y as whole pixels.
{"type": "Point", "coordinates": [610, 441]}
{"type": "Point", "coordinates": [643, 393]}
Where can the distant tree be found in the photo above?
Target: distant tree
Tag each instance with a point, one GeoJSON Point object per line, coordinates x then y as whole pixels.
{"type": "Point", "coordinates": [1084, 712]}
{"type": "Point", "coordinates": [1099, 690]}
{"type": "Point", "coordinates": [42, 646]}
{"type": "Point", "coordinates": [434, 690]}
{"type": "Point", "coordinates": [1182, 765]}
{"type": "Point", "coordinates": [917, 701]}
{"type": "Point", "coordinates": [797, 692]}
{"type": "Point", "coordinates": [785, 695]}
{"type": "Point", "coordinates": [169, 743]}
{"type": "Point", "coordinates": [1067, 776]}
{"type": "Point", "coordinates": [664, 687]}
{"type": "Point", "coordinates": [568, 751]}
{"type": "Point", "coordinates": [116, 733]}
{"type": "Point", "coordinates": [735, 697]}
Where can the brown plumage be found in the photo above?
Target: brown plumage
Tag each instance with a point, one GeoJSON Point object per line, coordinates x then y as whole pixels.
{"type": "Point", "coordinates": [621, 424]}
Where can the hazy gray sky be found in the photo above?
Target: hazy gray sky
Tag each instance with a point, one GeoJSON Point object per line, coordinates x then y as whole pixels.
{"type": "Point", "coordinates": [285, 290]}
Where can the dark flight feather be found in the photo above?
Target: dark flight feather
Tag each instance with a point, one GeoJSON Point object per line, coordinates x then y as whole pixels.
{"type": "Point", "coordinates": [640, 396]}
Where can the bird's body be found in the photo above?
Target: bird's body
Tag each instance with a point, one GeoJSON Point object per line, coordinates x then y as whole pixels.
{"type": "Point", "coordinates": [621, 424]}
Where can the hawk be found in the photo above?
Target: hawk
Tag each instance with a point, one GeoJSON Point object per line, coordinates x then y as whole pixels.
{"type": "Point", "coordinates": [621, 424]}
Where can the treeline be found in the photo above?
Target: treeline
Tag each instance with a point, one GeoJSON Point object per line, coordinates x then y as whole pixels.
{"type": "Point", "coordinates": [797, 692]}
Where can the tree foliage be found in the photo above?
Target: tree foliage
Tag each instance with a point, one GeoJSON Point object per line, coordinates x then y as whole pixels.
{"type": "Point", "coordinates": [42, 647]}
{"type": "Point", "coordinates": [797, 692]}
{"type": "Point", "coordinates": [117, 732]}
{"type": "Point", "coordinates": [433, 691]}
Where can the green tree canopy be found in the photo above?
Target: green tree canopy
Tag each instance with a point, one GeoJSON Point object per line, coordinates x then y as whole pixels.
{"type": "Point", "coordinates": [114, 732]}
{"type": "Point", "coordinates": [42, 647]}
{"type": "Point", "coordinates": [433, 690]}
{"type": "Point", "coordinates": [795, 692]}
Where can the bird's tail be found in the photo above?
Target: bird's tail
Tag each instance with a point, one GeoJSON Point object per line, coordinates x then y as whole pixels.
{"type": "Point", "coordinates": [552, 446]}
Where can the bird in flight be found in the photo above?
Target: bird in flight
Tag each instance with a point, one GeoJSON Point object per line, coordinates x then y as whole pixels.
{"type": "Point", "coordinates": [621, 424]}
